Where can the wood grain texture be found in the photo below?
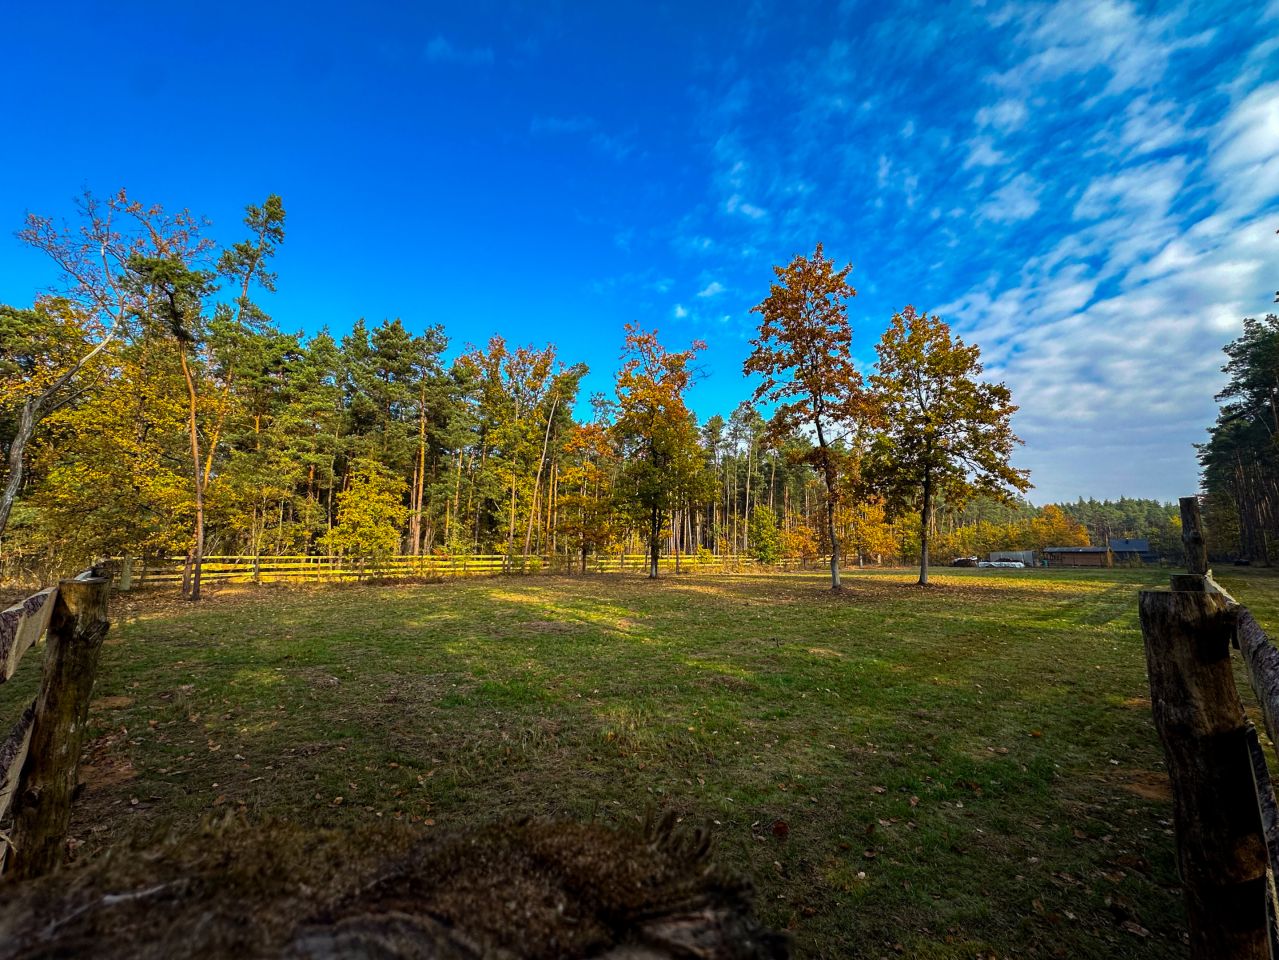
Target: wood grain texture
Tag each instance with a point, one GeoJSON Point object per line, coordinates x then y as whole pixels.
{"type": "Point", "coordinates": [1221, 848]}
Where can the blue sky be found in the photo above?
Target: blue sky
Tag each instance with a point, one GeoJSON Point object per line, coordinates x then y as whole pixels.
{"type": "Point", "coordinates": [1088, 190]}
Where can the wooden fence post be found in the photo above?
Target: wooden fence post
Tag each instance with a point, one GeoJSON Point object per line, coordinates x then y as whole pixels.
{"type": "Point", "coordinates": [1192, 536]}
{"type": "Point", "coordinates": [1221, 850]}
{"type": "Point", "coordinates": [42, 809]}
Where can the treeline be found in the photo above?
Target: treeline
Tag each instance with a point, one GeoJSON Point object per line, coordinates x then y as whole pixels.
{"type": "Point", "coordinates": [152, 407]}
{"type": "Point", "coordinates": [1240, 461]}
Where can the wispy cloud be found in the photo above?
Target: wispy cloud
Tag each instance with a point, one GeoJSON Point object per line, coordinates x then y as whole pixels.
{"type": "Point", "coordinates": [1095, 202]}
{"type": "Point", "coordinates": [442, 50]}
{"type": "Point", "coordinates": [712, 289]}
{"type": "Point", "coordinates": [982, 153]}
{"type": "Point", "coordinates": [1015, 201]}
{"type": "Point", "coordinates": [1005, 116]}
{"type": "Point", "coordinates": [618, 146]}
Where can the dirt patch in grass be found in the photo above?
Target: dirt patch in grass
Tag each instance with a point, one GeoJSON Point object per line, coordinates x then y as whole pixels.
{"type": "Point", "coordinates": [725, 682]}
{"type": "Point", "coordinates": [1148, 784]}
{"type": "Point", "coordinates": [109, 703]}
{"type": "Point", "coordinates": [105, 763]}
{"type": "Point", "coordinates": [111, 772]}
{"type": "Point", "coordinates": [545, 626]}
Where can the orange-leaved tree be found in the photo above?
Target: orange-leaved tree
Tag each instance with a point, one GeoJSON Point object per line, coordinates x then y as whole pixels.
{"type": "Point", "coordinates": [586, 508]}
{"type": "Point", "coordinates": [803, 355]}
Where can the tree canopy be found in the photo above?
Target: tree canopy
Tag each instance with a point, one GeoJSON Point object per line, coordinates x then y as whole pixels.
{"type": "Point", "coordinates": [944, 430]}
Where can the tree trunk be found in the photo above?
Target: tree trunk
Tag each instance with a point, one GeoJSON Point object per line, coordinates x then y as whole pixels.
{"type": "Point", "coordinates": [17, 449]}
{"type": "Point", "coordinates": [197, 547]}
{"type": "Point", "coordinates": [510, 529]}
{"type": "Point", "coordinates": [828, 473]}
{"type": "Point", "coordinates": [926, 519]}
{"type": "Point", "coordinates": [655, 530]}
{"type": "Point", "coordinates": [421, 473]}
{"type": "Point", "coordinates": [676, 520]}
{"type": "Point", "coordinates": [537, 481]}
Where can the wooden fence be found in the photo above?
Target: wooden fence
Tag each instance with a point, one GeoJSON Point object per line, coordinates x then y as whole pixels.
{"type": "Point", "coordinates": [245, 569]}
{"type": "Point", "coordinates": [40, 755]}
{"type": "Point", "coordinates": [1226, 819]}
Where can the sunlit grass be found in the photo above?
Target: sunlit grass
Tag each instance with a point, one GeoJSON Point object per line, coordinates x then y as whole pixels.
{"type": "Point", "coordinates": [955, 771]}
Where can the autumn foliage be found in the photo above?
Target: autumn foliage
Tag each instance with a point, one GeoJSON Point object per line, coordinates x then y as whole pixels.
{"type": "Point", "coordinates": [151, 407]}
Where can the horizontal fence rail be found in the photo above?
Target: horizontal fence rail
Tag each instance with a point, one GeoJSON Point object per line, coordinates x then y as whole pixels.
{"type": "Point", "coordinates": [268, 569]}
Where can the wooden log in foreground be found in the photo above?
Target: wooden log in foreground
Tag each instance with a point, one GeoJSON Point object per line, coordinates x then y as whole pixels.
{"type": "Point", "coordinates": [43, 804]}
{"type": "Point", "coordinates": [1221, 851]}
{"type": "Point", "coordinates": [387, 891]}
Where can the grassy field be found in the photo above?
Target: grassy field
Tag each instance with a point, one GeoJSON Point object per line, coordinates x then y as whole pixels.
{"type": "Point", "coordinates": [967, 770]}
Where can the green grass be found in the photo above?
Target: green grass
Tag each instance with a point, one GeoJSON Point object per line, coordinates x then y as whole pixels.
{"type": "Point", "coordinates": [960, 771]}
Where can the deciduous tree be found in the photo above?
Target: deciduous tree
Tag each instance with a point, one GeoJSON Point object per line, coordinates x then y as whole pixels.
{"type": "Point", "coordinates": [945, 431]}
{"type": "Point", "coordinates": [170, 287]}
{"type": "Point", "coordinates": [656, 433]}
{"type": "Point", "coordinates": [44, 355]}
{"type": "Point", "coordinates": [371, 514]}
{"type": "Point", "coordinates": [766, 543]}
{"type": "Point", "coordinates": [803, 354]}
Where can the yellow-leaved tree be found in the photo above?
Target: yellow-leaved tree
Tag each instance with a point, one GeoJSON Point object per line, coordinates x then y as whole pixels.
{"type": "Point", "coordinates": [370, 517]}
{"type": "Point", "coordinates": [945, 431]}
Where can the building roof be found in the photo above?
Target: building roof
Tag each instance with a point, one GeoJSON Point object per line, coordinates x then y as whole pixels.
{"type": "Point", "coordinates": [1075, 549]}
{"type": "Point", "coordinates": [1128, 545]}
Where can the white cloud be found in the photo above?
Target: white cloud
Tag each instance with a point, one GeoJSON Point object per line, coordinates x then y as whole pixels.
{"type": "Point", "coordinates": [1149, 188]}
{"type": "Point", "coordinates": [982, 153]}
{"type": "Point", "coordinates": [735, 204]}
{"type": "Point", "coordinates": [1077, 37]}
{"type": "Point", "coordinates": [1005, 116]}
{"type": "Point", "coordinates": [712, 289]}
{"type": "Point", "coordinates": [1250, 133]}
{"type": "Point", "coordinates": [693, 244]}
{"type": "Point", "coordinates": [680, 312]}
{"type": "Point", "coordinates": [1246, 150]}
{"type": "Point", "coordinates": [1015, 201]}
{"type": "Point", "coordinates": [1124, 380]}
{"type": "Point", "coordinates": [1103, 216]}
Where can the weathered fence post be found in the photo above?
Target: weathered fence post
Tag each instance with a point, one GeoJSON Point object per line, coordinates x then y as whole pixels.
{"type": "Point", "coordinates": [1192, 536]}
{"type": "Point", "coordinates": [1221, 849]}
{"type": "Point", "coordinates": [42, 809]}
